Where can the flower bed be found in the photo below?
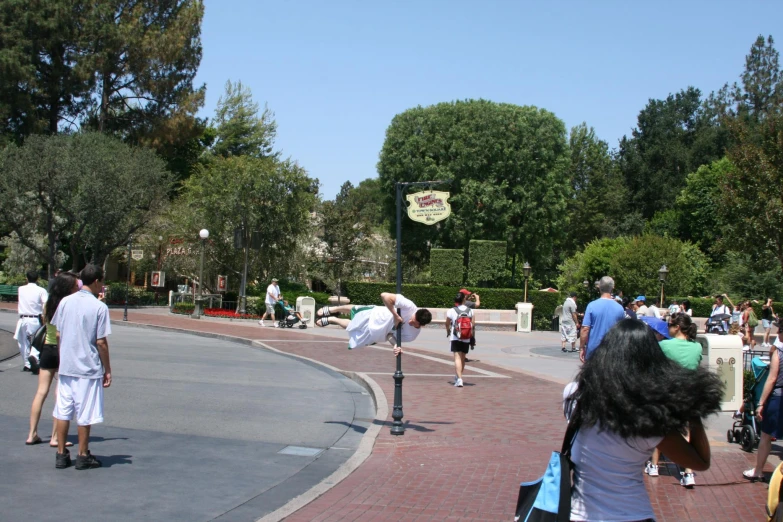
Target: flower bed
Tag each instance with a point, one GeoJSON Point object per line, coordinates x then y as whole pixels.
{"type": "Point", "coordinates": [228, 314]}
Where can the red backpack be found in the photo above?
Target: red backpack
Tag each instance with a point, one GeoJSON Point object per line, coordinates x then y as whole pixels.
{"type": "Point", "coordinates": [463, 326]}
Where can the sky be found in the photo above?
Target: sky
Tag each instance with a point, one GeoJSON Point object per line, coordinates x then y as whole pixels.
{"type": "Point", "coordinates": [335, 73]}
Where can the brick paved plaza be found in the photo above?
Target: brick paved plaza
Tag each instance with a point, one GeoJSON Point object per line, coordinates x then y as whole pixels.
{"type": "Point", "coordinates": [465, 450]}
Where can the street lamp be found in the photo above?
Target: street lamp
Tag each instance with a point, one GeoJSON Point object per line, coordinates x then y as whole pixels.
{"type": "Point", "coordinates": [662, 274]}
{"type": "Point", "coordinates": [197, 310]}
{"type": "Point", "coordinates": [526, 269]}
{"type": "Point", "coordinates": [127, 281]}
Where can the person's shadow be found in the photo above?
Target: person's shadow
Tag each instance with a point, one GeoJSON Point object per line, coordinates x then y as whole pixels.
{"type": "Point", "coordinates": [113, 460]}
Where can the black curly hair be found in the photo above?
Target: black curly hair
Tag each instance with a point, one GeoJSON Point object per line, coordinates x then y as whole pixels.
{"type": "Point", "coordinates": [628, 386]}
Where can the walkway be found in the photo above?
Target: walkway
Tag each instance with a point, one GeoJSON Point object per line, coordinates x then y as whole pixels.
{"type": "Point", "coordinates": [466, 450]}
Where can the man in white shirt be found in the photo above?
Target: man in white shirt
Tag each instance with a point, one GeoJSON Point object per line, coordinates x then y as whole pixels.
{"type": "Point", "coordinates": [654, 311]}
{"type": "Point", "coordinates": [373, 324]}
{"type": "Point", "coordinates": [641, 306]}
{"type": "Point", "coordinates": [270, 300]}
{"type": "Point", "coordinates": [460, 345]}
{"type": "Point", "coordinates": [83, 326]}
{"type": "Point", "coordinates": [568, 323]}
{"type": "Point", "coordinates": [30, 307]}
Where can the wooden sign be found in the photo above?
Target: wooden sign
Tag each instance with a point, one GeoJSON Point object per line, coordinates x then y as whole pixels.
{"type": "Point", "coordinates": [428, 207]}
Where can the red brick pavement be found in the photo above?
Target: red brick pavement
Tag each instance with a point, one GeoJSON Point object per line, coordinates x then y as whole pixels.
{"type": "Point", "coordinates": [466, 450]}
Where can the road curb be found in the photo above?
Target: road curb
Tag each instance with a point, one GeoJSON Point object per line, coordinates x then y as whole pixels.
{"type": "Point", "coordinates": [365, 445]}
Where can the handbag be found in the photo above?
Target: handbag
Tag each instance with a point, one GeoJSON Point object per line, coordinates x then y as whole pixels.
{"type": "Point", "coordinates": [548, 499]}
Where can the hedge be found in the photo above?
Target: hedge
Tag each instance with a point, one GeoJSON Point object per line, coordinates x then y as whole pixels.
{"type": "Point", "coordinates": [486, 262]}
{"type": "Point", "coordinates": [447, 266]}
{"type": "Point", "coordinates": [443, 297]}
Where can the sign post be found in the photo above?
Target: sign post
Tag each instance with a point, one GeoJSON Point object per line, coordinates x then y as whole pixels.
{"type": "Point", "coordinates": [426, 207]}
{"type": "Point", "coordinates": [222, 283]}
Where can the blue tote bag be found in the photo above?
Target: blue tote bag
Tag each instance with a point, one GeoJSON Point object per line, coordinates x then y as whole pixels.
{"type": "Point", "coordinates": [548, 499]}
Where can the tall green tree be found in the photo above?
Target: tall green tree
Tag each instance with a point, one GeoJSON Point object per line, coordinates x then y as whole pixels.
{"type": "Point", "coordinates": [508, 167]}
{"type": "Point", "coordinates": [239, 128]}
{"type": "Point", "coordinates": [672, 138]}
{"type": "Point", "coordinates": [598, 200]}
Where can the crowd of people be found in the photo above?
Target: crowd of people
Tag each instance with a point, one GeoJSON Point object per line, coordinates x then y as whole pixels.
{"type": "Point", "coordinates": [75, 350]}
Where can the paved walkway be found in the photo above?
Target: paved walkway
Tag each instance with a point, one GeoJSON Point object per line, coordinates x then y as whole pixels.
{"type": "Point", "coordinates": [466, 450]}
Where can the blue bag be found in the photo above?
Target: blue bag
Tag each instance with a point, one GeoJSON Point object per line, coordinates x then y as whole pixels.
{"type": "Point", "coordinates": [548, 499]}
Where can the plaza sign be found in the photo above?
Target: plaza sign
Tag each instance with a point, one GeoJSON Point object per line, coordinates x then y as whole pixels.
{"type": "Point", "coordinates": [428, 207]}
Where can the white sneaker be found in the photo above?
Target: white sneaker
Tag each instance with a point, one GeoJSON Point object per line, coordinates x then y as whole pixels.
{"type": "Point", "coordinates": [277, 325]}
{"type": "Point", "coordinates": [746, 348]}
{"type": "Point", "coordinates": [261, 323]}
{"type": "Point", "coordinates": [687, 480]}
{"type": "Point", "coordinates": [651, 469]}
{"type": "Point", "coordinates": [458, 384]}
{"type": "Point", "coordinates": [456, 378]}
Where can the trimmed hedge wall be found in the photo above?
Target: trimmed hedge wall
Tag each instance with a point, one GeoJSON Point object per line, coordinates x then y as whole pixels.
{"type": "Point", "coordinates": [427, 296]}
{"type": "Point", "coordinates": [447, 266]}
{"type": "Point", "coordinates": [487, 262]}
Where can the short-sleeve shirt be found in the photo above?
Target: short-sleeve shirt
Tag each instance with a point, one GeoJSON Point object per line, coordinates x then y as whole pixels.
{"type": "Point", "coordinates": [569, 308]}
{"type": "Point", "coordinates": [81, 320]}
{"type": "Point", "coordinates": [275, 291]}
{"type": "Point", "coordinates": [452, 314]}
{"type": "Point", "coordinates": [373, 325]}
{"type": "Point", "coordinates": [653, 311]}
{"type": "Point", "coordinates": [31, 299]}
{"type": "Point", "coordinates": [686, 353]}
{"type": "Point", "coordinates": [470, 304]}
{"type": "Point", "coordinates": [600, 316]}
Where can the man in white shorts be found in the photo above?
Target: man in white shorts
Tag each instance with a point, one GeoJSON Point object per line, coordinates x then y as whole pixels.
{"type": "Point", "coordinates": [373, 324]}
{"type": "Point", "coordinates": [83, 326]}
{"type": "Point", "coordinates": [568, 323]}
{"type": "Point", "coordinates": [31, 301]}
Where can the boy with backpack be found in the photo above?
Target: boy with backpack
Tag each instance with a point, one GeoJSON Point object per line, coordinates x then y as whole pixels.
{"type": "Point", "coordinates": [459, 329]}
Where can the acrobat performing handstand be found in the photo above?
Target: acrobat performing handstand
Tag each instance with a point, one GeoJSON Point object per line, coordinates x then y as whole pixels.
{"type": "Point", "coordinates": [374, 324]}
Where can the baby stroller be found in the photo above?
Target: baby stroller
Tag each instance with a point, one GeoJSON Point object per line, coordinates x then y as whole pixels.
{"type": "Point", "coordinates": [746, 431]}
{"type": "Point", "coordinates": [290, 317]}
{"type": "Point", "coordinates": [716, 324]}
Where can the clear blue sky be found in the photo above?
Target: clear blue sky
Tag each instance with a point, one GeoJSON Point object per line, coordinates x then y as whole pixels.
{"type": "Point", "coordinates": [335, 73]}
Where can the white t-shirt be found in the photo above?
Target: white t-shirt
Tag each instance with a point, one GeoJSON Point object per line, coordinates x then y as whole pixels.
{"type": "Point", "coordinates": [31, 299]}
{"type": "Point", "coordinates": [722, 309]}
{"type": "Point", "coordinates": [642, 310]}
{"type": "Point", "coordinates": [81, 320]}
{"type": "Point", "coordinates": [372, 326]}
{"type": "Point", "coordinates": [569, 308]}
{"type": "Point", "coordinates": [275, 291]}
{"type": "Point", "coordinates": [653, 311]}
{"type": "Point", "coordinates": [609, 477]}
{"type": "Point", "coordinates": [452, 314]}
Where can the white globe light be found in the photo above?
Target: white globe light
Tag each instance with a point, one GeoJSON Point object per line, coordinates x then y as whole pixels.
{"type": "Point", "coordinates": [204, 233]}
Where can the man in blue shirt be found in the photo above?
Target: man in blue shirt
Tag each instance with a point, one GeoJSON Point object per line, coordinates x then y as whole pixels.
{"type": "Point", "coordinates": [600, 316]}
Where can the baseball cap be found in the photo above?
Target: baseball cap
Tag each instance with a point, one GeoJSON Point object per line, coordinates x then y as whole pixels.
{"type": "Point", "coordinates": [641, 298]}
{"type": "Point", "coordinates": [274, 280]}
{"type": "Point", "coordinates": [658, 325]}
{"type": "Point", "coordinates": [465, 291]}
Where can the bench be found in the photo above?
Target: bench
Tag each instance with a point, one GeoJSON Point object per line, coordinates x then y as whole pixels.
{"type": "Point", "coordinates": [9, 292]}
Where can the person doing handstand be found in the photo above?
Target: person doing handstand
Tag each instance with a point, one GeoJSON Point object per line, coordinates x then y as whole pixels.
{"type": "Point", "coordinates": [373, 324]}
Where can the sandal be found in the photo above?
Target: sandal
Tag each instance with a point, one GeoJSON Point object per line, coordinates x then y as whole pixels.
{"type": "Point", "coordinates": [323, 321]}
{"type": "Point", "coordinates": [324, 312]}
{"type": "Point", "coordinates": [749, 474]}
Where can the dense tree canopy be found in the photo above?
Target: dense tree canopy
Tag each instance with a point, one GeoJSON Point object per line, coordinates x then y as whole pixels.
{"type": "Point", "coordinates": [508, 167]}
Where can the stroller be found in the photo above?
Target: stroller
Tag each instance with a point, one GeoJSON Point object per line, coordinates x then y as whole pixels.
{"type": "Point", "coordinates": [290, 317]}
{"type": "Point", "coordinates": [746, 431]}
{"type": "Point", "coordinates": [716, 324]}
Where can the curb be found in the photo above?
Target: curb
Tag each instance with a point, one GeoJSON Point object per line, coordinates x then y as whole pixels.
{"type": "Point", "coordinates": [365, 445]}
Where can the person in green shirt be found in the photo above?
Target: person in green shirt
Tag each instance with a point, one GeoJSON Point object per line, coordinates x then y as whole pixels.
{"type": "Point", "coordinates": [682, 348]}
{"type": "Point", "coordinates": [64, 285]}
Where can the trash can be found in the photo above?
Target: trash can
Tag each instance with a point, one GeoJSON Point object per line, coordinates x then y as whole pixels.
{"type": "Point", "coordinates": [524, 317]}
{"type": "Point", "coordinates": [306, 307]}
{"type": "Point", "coordinates": [723, 355]}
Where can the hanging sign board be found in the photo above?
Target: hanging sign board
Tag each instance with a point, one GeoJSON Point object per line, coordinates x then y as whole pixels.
{"type": "Point", "coordinates": [222, 283]}
{"type": "Point", "coordinates": [428, 207]}
{"type": "Point", "coordinates": [137, 255]}
{"type": "Point", "coordinates": [158, 279]}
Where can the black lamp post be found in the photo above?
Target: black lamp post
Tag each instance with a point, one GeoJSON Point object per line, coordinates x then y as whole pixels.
{"type": "Point", "coordinates": [526, 270]}
{"type": "Point", "coordinates": [127, 281]}
{"type": "Point", "coordinates": [662, 274]}
{"type": "Point", "coordinates": [397, 426]}
{"type": "Point", "coordinates": [197, 310]}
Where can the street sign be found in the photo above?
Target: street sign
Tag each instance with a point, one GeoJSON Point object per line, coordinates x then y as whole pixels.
{"type": "Point", "coordinates": [222, 283]}
{"type": "Point", "coordinates": [158, 279]}
{"type": "Point", "coordinates": [137, 255]}
{"type": "Point", "coordinates": [428, 207]}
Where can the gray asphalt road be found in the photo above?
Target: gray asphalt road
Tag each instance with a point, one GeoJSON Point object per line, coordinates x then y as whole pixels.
{"type": "Point", "coordinates": [194, 431]}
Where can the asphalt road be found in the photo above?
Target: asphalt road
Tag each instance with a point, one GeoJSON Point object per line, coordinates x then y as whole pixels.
{"type": "Point", "coordinates": [194, 432]}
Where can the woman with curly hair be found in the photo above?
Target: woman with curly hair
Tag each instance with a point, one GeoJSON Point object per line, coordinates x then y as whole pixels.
{"type": "Point", "coordinates": [64, 285]}
{"type": "Point", "coordinates": [631, 399]}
